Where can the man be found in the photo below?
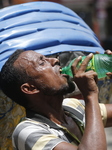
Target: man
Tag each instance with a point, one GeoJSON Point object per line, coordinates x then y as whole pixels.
{"type": "Point", "coordinates": [36, 82]}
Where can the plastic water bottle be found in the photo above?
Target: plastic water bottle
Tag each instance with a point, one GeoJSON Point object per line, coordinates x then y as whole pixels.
{"type": "Point", "coordinates": [100, 63]}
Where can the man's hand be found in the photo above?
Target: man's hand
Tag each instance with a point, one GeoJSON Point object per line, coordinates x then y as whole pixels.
{"type": "Point", "coordinates": [86, 81]}
{"type": "Point", "coordinates": [109, 74]}
{"type": "Point", "coordinates": [109, 52]}
{"type": "Point", "coordinates": [94, 129]}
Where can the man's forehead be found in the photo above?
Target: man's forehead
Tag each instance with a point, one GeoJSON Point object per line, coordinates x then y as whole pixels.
{"type": "Point", "coordinates": [27, 57]}
{"type": "Point", "coordinates": [30, 55]}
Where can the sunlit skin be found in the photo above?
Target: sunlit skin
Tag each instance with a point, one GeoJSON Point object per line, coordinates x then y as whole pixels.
{"type": "Point", "coordinates": [45, 71]}
{"type": "Point", "coordinates": [45, 95]}
{"type": "Point", "coordinates": [47, 82]}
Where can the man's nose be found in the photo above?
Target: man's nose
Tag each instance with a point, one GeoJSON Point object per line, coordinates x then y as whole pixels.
{"type": "Point", "coordinates": [54, 61]}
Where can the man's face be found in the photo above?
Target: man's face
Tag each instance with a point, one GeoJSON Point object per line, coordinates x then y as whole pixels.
{"type": "Point", "coordinates": [45, 72]}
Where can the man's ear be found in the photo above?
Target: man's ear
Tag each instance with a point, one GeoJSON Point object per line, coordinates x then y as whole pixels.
{"type": "Point", "coordinates": [29, 89]}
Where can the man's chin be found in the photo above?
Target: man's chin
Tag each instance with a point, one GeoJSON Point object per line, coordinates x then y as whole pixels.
{"type": "Point", "coordinates": [65, 89]}
{"type": "Point", "coordinates": [71, 86]}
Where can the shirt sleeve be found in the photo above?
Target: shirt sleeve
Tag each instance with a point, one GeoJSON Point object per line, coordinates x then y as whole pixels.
{"type": "Point", "coordinates": [80, 106]}
{"type": "Point", "coordinates": [33, 136]}
{"type": "Point", "coordinates": [103, 113]}
{"type": "Point", "coordinates": [76, 108]}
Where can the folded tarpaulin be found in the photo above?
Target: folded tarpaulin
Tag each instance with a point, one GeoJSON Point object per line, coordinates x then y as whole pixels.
{"type": "Point", "coordinates": [45, 27]}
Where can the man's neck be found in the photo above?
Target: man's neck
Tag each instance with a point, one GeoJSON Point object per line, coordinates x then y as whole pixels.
{"type": "Point", "coordinates": [51, 107]}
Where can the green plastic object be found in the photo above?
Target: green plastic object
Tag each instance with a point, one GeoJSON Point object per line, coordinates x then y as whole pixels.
{"type": "Point", "coordinates": [100, 63]}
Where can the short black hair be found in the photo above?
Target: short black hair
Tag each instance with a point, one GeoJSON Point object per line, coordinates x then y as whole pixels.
{"type": "Point", "coordinates": [11, 79]}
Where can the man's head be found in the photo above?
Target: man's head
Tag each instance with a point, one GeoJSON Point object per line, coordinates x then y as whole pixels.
{"type": "Point", "coordinates": [28, 73]}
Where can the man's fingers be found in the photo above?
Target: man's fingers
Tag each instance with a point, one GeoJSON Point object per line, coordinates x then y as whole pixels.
{"type": "Point", "coordinates": [77, 60]}
{"type": "Point", "coordinates": [75, 63]}
{"type": "Point", "coordinates": [97, 52]}
{"type": "Point", "coordinates": [109, 74]}
{"type": "Point", "coordinates": [109, 52]}
{"type": "Point", "coordinates": [85, 63]}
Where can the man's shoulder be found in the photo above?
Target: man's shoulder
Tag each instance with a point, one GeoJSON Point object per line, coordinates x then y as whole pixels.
{"type": "Point", "coordinates": [74, 103]}
{"type": "Point", "coordinates": [76, 108]}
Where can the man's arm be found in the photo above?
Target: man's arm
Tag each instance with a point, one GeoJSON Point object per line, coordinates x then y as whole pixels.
{"type": "Point", "coordinates": [94, 135]}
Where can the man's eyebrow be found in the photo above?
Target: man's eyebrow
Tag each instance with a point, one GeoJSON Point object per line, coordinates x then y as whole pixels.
{"type": "Point", "coordinates": [42, 57]}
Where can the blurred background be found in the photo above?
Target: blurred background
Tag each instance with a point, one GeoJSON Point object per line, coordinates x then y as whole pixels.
{"type": "Point", "coordinates": [97, 14]}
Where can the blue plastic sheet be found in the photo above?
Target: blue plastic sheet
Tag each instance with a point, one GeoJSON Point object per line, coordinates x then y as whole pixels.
{"type": "Point", "coordinates": [45, 27]}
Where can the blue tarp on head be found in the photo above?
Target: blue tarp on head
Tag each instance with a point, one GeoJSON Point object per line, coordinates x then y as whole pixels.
{"type": "Point", "coordinates": [45, 27]}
